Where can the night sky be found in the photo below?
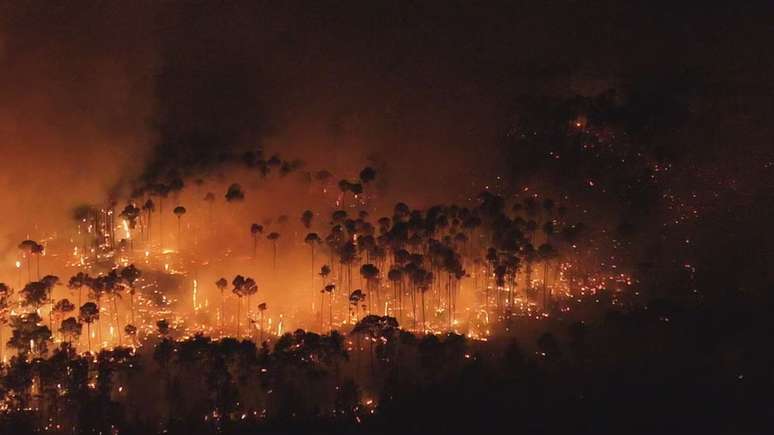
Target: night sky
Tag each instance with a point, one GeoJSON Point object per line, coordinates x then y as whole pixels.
{"type": "Point", "coordinates": [641, 130]}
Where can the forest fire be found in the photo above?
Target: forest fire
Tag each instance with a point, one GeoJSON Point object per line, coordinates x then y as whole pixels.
{"type": "Point", "coordinates": [385, 218]}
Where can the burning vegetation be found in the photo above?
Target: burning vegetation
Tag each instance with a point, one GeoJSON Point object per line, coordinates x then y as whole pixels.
{"type": "Point", "coordinates": [443, 242]}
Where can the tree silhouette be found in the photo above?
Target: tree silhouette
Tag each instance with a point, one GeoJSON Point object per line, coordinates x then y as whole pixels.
{"type": "Point", "coordinates": [325, 271]}
{"type": "Point", "coordinates": [28, 336]}
{"type": "Point", "coordinates": [306, 218]}
{"type": "Point", "coordinates": [89, 313]}
{"type": "Point", "coordinates": [242, 287]}
{"type": "Point", "coordinates": [130, 214]}
{"type": "Point", "coordinates": [367, 175]}
{"type": "Point", "coordinates": [149, 207]}
{"type": "Point", "coordinates": [371, 274]}
{"type": "Point", "coordinates": [221, 284]}
{"type": "Point", "coordinates": [274, 236]}
{"type": "Point", "coordinates": [77, 282]}
{"type": "Point", "coordinates": [62, 308]}
{"type": "Point", "coordinates": [395, 276]}
{"type": "Point", "coordinates": [234, 193]}
{"type": "Point", "coordinates": [255, 230]}
{"type": "Point", "coordinates": [30, 248]}
{"type": "Point", "coordinates": [312, 239]}
{"type": "Point", "coordinates": [71, 329]}
{"type": "Point", "coordinates": [330, 289]}
{"type": "Point", "coordinates": [130, 274]}
{"type": "Point", "coordinates": [356, 298]}
{"type": "Point", "coordinates": [179, 211]}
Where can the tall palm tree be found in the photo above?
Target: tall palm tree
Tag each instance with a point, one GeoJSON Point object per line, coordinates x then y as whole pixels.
{"type": "Point", "coordinates": [329, 289]}
{"type": "Point", "coordinates": [179, 211]}
{"type": "Point", "coordinates": [306, 218]}
{"type": "Point", "coordinates": [367, 175]}
{"type": "Point", "coordinates": [28, 248]}
{"type": "Point", "coordinates": [234, 193]}
{"type": "Point", "coordinates": [371, 274]}
{"type": "Point", "coordinates": [312, 239]}
{"type": "Point", "coordinates": [50, 281]}
{"type": "Point", "coordinates": [255, 230]}
{"type": "Point", "coordinates": [61, 308]}
{"type": "Point", "coordinates": [221, 284]}
{"type": "Point", "coordinates": [274, 236]}
{"type": "Point", "coordinates": [242, 287]}
{"type": "Point", "coordinates": [148, 207]}
{"type": "Point", "coordinates": [114, 287]}
{"type": "Point", "coordinates": [70, 329]}
{"type": "Point", "coordinates": [325, 271]}
{"type": "Point", "coordinates": [355, 299]}
{"type": "Point", "coordinates": [395, 275]}
{"type": "Point", "coordinates": [77, 282]}
{"type": "Point", "coordinates": [89, 313]}
{"type": "Point", "coordinates": [130, 214]}
{"type": "Point", "coordinates": [130, 274]}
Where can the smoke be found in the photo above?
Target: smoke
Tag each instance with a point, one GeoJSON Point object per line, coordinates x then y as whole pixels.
{"type": "Point", "coordinates": [98, 97]}
{"type": "Point", "coordinates": [73, 114]}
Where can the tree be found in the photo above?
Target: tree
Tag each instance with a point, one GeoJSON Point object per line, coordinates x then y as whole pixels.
{"type": "Point", "coordinates": [329, 289]}
{"type": "Point", "coordinates": [255, 230]}
{"type": "Point", "coordinates": [28, 335]}
{"type": "Point", "coordinates": [234, 193]}
{"type": "Point", "coordinates": [355, 299]}
{"type": "Point", "coordinates": [89, 313]}
{"type": "Point", "coordinates": [367, 175]}
{"type": "Point", "coordinates": [179, 211]}
{"type": "Point", "coordinates": [306, 218]}
{"type": "Point", "coordinates": [77, 282]}
{"type": "Point", "coordinates": [130, 274]}
{"type": "Point", "coordinates": [30, 248]}
{"type": "Point", "coordinates": [113, 286]}
{"type": "Point", "coordinates": [325, 270]}
{"type": "Point", "coordinates": [62, 308]}
{"type": "Point", "coordinates": [422, 279]}
{"type": "Point", "coordinates": [242, 287]}
{"type": "Point", "coordinates": [221, 284]}
{"type": "Point", "coordinates": [312, 239]}
{"type": "Point", "coordinates": [370, 273]}
{"type": "Point", "coordinates": [149, 207]}
{"type": "Point", "coordinates": [71, 329]}
{"type": "Point", "coordinates": [274, 236]}
{"type": "Point", "coordinates": [395, 276]}
{"type": "Point", "coordinates": [35, 294]}
{"type": "Point", "coordinates": [130, 214]}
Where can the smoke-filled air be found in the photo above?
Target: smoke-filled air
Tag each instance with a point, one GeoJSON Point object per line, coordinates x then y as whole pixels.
{"type": "Point", "coordinates": [384, 217]}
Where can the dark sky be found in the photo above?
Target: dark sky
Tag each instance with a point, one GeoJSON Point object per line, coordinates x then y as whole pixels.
{"type": "Point", "coordinates": [95, 92]}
